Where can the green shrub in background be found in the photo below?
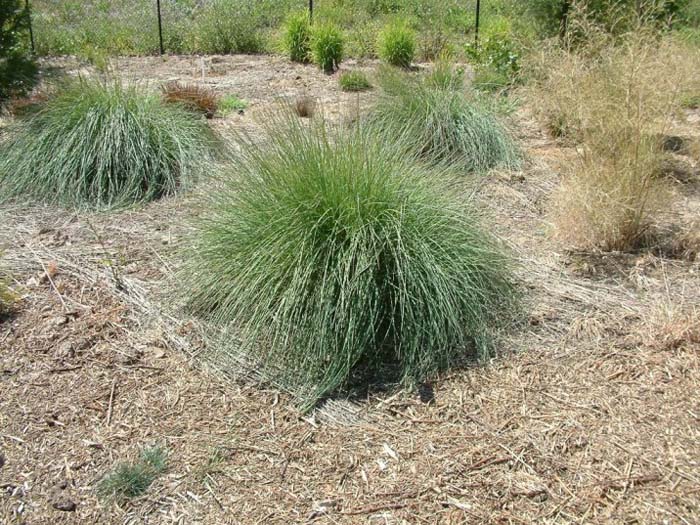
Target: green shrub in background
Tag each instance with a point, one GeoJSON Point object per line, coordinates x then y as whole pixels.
{"type": "Point", "coordinates": [104, 144]}
{"type": "Point", "coordinates": [338, 259]}
{"type": "Point", "coordinates": [18, 72]}
{"type": "Point", "coordinates": [229, 26]}
{"type": "Point", "coordinates": [397, 44]}
{"type": "Point", "coordinates": [441, 122]}
{"type": "Point", "coordinates": [327, 47]}
{"type": "Point", "coordinates": [497, 56]}
{"type": "Point", "coordinates": [354, 81]}
{"type": "Point", "coordinates": [297, 37]}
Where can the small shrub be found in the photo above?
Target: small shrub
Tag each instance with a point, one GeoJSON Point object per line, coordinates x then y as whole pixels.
{"type": "Point", "coordinates": [130, 480]}
{"type": "Point", "coordinates": [354, 81]}
{"type": "Point", "coordinates": [18, 72]}
{"type": "Point", "coordinates": [192, 97]}
{"type": "Point", "coordinates": [397, 44]}
{"type": "Point", "coordinates": [340, 259]}
{"type": "Point", "coordinates": [297, 37]}
{"type": "Point", "coordinates": [327, 47]}
{"type": "Point", "coordinates": [231, 103]}
{"type": "Point", "coordinates": [102, 145]}
{"type": "Point", "coordinates": [440, 122]}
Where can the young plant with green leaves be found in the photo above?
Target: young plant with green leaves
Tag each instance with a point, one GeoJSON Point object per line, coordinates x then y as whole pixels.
{"type": "Point", "coordinates": [103, 144]}
{"type": "Point", "coordinates": [354, 81]}
{"type": "Point", "coordinates": [297, 37]}
{"type": "Point", "coordinates": [397, 44]}
{"type": "Point", "coordinates": [130, 480]}
{"type": "Point", "coordinates": [441, 122]}
{"type": "Point", "coordinates": [327, 47]}
{"type": "Point", "coordinates": [338, 259]}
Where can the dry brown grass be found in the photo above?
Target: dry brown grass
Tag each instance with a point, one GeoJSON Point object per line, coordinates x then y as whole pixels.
{"type": "Point", "coordinates": [195, 98]}
{"type": "Point", "coordinates": [616, 101]}
{"type": "Point", "coordinates": [305, 106]}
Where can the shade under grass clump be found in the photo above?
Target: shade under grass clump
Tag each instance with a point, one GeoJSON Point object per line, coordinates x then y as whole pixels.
{"type": "Point", "coordinates": [102, 145]}
{"type": "Point", "coordinates": [441, 122]}
{"type": "Point", "coordinates": [339, 259]}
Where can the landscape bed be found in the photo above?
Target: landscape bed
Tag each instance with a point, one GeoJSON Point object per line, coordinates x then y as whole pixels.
{"type": "Point", "coordinates": [587, 412]}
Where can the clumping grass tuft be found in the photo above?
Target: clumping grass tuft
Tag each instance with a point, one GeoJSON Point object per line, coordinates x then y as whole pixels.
{"type": "Point", "coordinates": [327, 47]}
{"type": "Point", "coordinates": [354, 81]}
{"type": "Point", "coordinates": [7, 298]}
{"type": "Point", "coordinates": [397, 44]}
{"type": "Point", "coordinates": [102, 145]}
{"type": "Point", "coordinates": [130, 480]}
{"type": "Point", "coordinates": [441, 122]}
{"type": "Point", "coordinates": [297, 37]}
{"type": "Point", "coordinates": [193, 97]}
{"type": "Point", "coordinates": [339, 260]}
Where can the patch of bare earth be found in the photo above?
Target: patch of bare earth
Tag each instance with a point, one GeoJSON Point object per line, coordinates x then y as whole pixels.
{"type": "Point", "coordinates": [589, 413]}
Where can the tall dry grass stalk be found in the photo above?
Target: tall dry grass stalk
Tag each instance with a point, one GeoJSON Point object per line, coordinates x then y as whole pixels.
{"type": "Point", "coordinates": [615, 99]}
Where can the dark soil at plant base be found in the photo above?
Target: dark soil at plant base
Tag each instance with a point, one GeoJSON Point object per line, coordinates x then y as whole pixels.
{"type": "Point", "coordinates": [588, 414]}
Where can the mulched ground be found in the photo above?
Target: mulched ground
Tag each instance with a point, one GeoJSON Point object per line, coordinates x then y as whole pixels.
{"type": "Point", "coordinates": [589, 414]}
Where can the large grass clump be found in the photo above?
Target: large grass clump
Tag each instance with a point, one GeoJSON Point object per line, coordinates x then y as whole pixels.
{"type": "Point", "coordinates": [130, 480]}
{"type": "Point", "coordinates": [441, 121]}
{"type": "Point", "coordinates": [327, 47]}
{"type": "Point", "coordinates": [297, 37]}
{"type": "Point", "coordinates": [616, 100]}
{"type": "Point", "coordinates": [338, 258]}
{"type": "Point", "coordinates": [397, 44]}
{"type": "Point", "coordinates": [102, 145]}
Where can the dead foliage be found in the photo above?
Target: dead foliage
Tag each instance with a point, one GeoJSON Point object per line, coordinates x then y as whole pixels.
{"type": "Point", "coordinates": [192, 96]}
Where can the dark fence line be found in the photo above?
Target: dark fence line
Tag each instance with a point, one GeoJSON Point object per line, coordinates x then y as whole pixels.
{"type": "Point", "coordinates": [160, 23]}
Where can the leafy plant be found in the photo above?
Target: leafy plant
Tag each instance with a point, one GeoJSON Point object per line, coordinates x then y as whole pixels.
{"type": "Point", "coordinates": [327, 47]}
{"type": "Point", "coordinates": [101, 145]}
{"type": "Point", "coordinates": [297, 37]}
{"type": "Point", "coordinates": [18, 72]}
{"type": "Point", "coordinates": [130, 480]}
{"type": "Point", "coordinates": [440, 122]}
{"type": "Point", "coordinates": [192, 97]}
{"type": "Point", "coordinates": [354, 81]}
{"type": "Point", "coordinates": [338, 259]}
{"type": "Point", "coordinates": [231, 103]}
{"type": "Point", "coordinates": [497, 57]}
{"type": "Point", "coordinates": [397, 44]}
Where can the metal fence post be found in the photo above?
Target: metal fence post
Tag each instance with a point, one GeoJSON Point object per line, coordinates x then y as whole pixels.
{"type": "Point", "coordinates": [29, 21]}
{"type": "Point", "coordinates": [476, 30]}
{"type": "Point", "coordinates": [311, 11]}
{"type": "Point", "coordinates": [160, 28]}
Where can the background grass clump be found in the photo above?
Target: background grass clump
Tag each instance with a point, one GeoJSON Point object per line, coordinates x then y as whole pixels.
{"type": "Point", "coordinates": [18, 72]}
{"type": "Point", "coordinates": [397, 44]}
{"type": "Point", "coordinates": [354, 81]}
{"type": "Point", "coordinates": [338, 259]}
{"type": "Point", "coordinates": [192, 97]}
{"type": "Point", "coordinates": [442, 122]}
{"type": "Point", "coordinates": [297, 37]}
{"type": "Point", "coordinates": [327, 47]}
{"type": "Point", "coordinates": [130, 480]}
{"type": "Point", "coordinates": [105, 144]}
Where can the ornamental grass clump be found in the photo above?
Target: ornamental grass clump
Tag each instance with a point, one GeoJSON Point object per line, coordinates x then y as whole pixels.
{"type": "Point", "coordinates": [397, 44]}
{"type": "Point", "coordinates": [192, 97]}
{"type": "Point", "coordinates": [327, 47]}
{"type": "Point", "coordinates": [101, 145]}
{"type": "Point", "coordinates": [297, 37]}
{"type": "Point", "coordinates": [441, 122]}
{"type": "Point", "coordinates": [354, 81]}
{"type": "Point", "coordinates": [338, 260]}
